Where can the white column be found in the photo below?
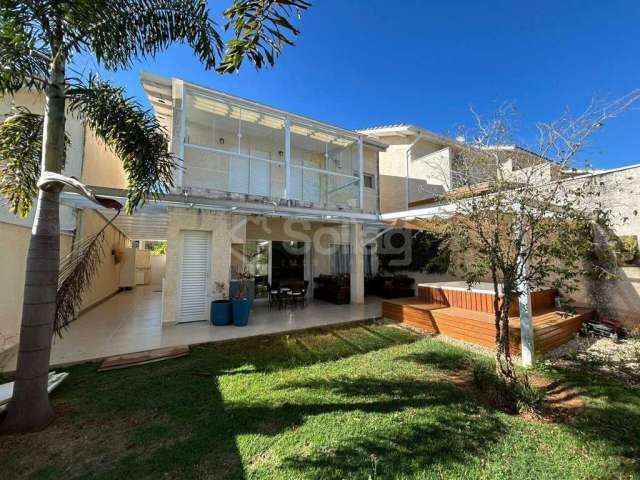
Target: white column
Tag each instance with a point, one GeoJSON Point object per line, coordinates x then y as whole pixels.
{"type": "Point", "coordinates": [361, 172]}
{"type": "Point", "coordinates": [179, 127]}
{"type": "Point", "coordinates": [287, 158]}
{"type": "Point", "coordinates": [526, 321]}
{"type": "Point", "coordinates": [356, 233]}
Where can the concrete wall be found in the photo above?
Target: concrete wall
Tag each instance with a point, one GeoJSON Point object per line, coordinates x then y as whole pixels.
{"type": "Point", "coordinates": [14, 245]}
{"type": "Point", "coordinates": [107, 281]}
{"type": "Point", "coordinates": [393, 173]}
{"type": "Point", "coordinates": [158, 263]}
{"type": "Point", "coordinates": [225, 230]}
{"type": "Point", "coordinates": [15, 232]}
{"type": "Point", "coordinates": [430, 173]}
{"type": "Point", "coordinates": [35, 102]}
{"type": "Point", "coordinates": [426, 165]}
{"type": "Point", "coordinates": [620, 298]}
{"type": "Point", "coordinates": [101, 167]}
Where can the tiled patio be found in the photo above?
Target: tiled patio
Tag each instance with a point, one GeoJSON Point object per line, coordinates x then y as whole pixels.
{"type": "Point", "coordinates": [130, 322]}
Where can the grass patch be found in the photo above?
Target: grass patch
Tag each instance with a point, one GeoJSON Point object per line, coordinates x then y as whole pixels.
{"type": "Point", "coordinates": [350, 403]}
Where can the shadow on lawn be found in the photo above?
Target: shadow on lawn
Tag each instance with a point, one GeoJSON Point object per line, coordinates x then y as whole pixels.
{"type": "Point", "coordinates": [177, 424]}
{"type": "Point", "coordinates": [612, 414]}
{"type": "Point", "coordinates": [170, 418]}
{"type": "Point", "coordinates": [448, 360]}
{"type": "Point", "coordinates": [206, 429]}
{"type": "Point", "coordinates": [442, 429]}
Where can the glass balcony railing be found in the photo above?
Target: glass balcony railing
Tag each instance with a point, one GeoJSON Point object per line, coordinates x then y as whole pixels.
{"type": "Point", "coordinates": [324, 187]}
{"type": "Point", "coordinates": [214, 169]}
{"type": "Point", "coordinates": [208, 168]}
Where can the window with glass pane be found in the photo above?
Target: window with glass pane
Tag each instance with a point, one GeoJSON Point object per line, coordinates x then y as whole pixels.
{"type": "Point", "coordinates": [232, 148]}
{"type": "Point", "coordinates": [340, 259]}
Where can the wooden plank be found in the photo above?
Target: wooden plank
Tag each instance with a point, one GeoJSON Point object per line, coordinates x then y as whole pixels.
{"type": "Point", "coordinates": [142, 358]}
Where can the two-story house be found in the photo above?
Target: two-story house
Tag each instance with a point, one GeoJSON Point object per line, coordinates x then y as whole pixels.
{"type": "Point", "coordinates": [284, 196]}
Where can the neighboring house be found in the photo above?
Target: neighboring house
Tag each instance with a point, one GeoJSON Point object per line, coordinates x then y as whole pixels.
{"type": "Point", "coordinates": [89, 161]}
{"type": "Point", "coordinates": [419, 165]}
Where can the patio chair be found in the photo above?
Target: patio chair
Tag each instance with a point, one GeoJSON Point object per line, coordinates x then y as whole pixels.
{"type": "Point", "coordinates": [284, 298]}
{"type": "Point", "coordinates": [274, 296]}
{"type": "Point", "coordinates": [299, 297]}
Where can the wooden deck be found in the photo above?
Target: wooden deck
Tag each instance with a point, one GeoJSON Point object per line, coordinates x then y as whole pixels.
{"type": "Point", "coordinates": [475, 322]}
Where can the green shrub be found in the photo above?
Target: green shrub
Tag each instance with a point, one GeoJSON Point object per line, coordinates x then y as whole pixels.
{"type": "Point", "coordinates": [528, 398]}
{"type": "Point", "coordinates": [516, 397]}
{"type": "Point", "coordinates": [483, 375]}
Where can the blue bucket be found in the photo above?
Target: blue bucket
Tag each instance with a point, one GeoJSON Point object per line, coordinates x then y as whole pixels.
{"type": "Point", "coordinates": [241, 310]}
{"type": "Point", "coordinates": [221, 312]}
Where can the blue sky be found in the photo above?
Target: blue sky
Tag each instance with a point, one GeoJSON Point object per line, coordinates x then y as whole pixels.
{"type": "Point", "coordinates": [360, 63]}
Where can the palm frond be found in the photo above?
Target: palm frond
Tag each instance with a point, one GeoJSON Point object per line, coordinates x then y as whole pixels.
{"type": "Point", "coordinates": [261, 29]}
{"type": "Point", "coordinates": [117, 32]}
{"type": "Point", "coordinates": [20, 153]}
{"type": "Point", "coordinates": [24, 60]}
{"type": "Point", "coordinates": [77, 272]}
{"type": "Point", "coordinates": [131, 132]}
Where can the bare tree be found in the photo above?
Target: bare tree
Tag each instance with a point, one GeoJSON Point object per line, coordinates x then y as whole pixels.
{"type": "Point", "coordinates": [524, 218]}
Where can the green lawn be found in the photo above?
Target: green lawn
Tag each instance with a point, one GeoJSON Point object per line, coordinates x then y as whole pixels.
{"type": "Point", "coordinates": [362, 401]}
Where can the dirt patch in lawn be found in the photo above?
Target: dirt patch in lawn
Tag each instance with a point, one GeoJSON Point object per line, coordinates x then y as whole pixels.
{"type": "Point", "coordinates": [561, 403]}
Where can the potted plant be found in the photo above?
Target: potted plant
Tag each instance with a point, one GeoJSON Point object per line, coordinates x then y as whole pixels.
{"type": "Point", "coordinates": [221, 307]}
{"type": "Point", "coordinates": [241, 302]}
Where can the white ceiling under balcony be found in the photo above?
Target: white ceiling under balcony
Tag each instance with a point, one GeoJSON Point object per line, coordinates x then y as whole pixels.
{"type": "Point", "coordinates": [149, 222]}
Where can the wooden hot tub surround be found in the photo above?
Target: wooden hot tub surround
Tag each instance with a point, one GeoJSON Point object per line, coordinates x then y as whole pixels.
{"type": "Point", "coordinates": [468, 315]}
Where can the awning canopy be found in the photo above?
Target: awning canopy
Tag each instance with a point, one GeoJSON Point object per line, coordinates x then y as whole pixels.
{"type": "Point", "coordinates": [150, 221]}
{"type": "Point", "coordinates": [413, 219]}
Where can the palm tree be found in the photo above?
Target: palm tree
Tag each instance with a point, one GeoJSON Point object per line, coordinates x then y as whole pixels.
{"type": "Point", "coordinates": [38, 41]}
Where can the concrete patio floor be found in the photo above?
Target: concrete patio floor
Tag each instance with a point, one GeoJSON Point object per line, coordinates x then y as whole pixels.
{"type": "Point", "coordinates": [130, 322]}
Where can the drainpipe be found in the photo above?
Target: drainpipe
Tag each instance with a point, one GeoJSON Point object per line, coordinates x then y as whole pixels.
{"type": "Point", "coordinates": [408, 156]}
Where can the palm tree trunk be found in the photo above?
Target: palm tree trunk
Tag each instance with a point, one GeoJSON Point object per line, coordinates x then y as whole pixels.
{"type": "Point", "coordinates": [29, 408]}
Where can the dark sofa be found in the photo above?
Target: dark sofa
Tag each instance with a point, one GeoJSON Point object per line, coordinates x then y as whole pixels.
{"type": "Point", "coordinates": [332, 288]}
{"type": "Point", "coordinates": [388, 286]}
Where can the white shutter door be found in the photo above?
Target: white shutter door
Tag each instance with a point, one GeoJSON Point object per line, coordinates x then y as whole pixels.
{"type": "Point", "coordinates": [194, 276]}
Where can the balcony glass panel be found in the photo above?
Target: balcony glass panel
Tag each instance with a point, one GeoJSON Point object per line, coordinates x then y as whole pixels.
{"type": "Point", "coordinates": [232, 148]}
{"type": "Point", "coordinates": [323, 166]}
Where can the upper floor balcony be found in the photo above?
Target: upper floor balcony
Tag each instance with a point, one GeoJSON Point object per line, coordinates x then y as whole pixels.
{"type": "Point", "coordinates": [234, 145]}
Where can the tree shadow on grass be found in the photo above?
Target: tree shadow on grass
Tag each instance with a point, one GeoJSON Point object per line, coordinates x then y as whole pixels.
{"type": "Point", "coordinates": [278, 352]}
{"type": "Point", "coordinates": [175, 422]}
{"type": "Point", "coordinates": [449, 360]}
{"type": "Point", "coordinates": [611, 416]}
{"type": "Point", "coordinates": [442, 429]}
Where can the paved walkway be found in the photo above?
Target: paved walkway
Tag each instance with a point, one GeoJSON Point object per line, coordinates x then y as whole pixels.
{"type": "Point", "coordinates": [130, 322]}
